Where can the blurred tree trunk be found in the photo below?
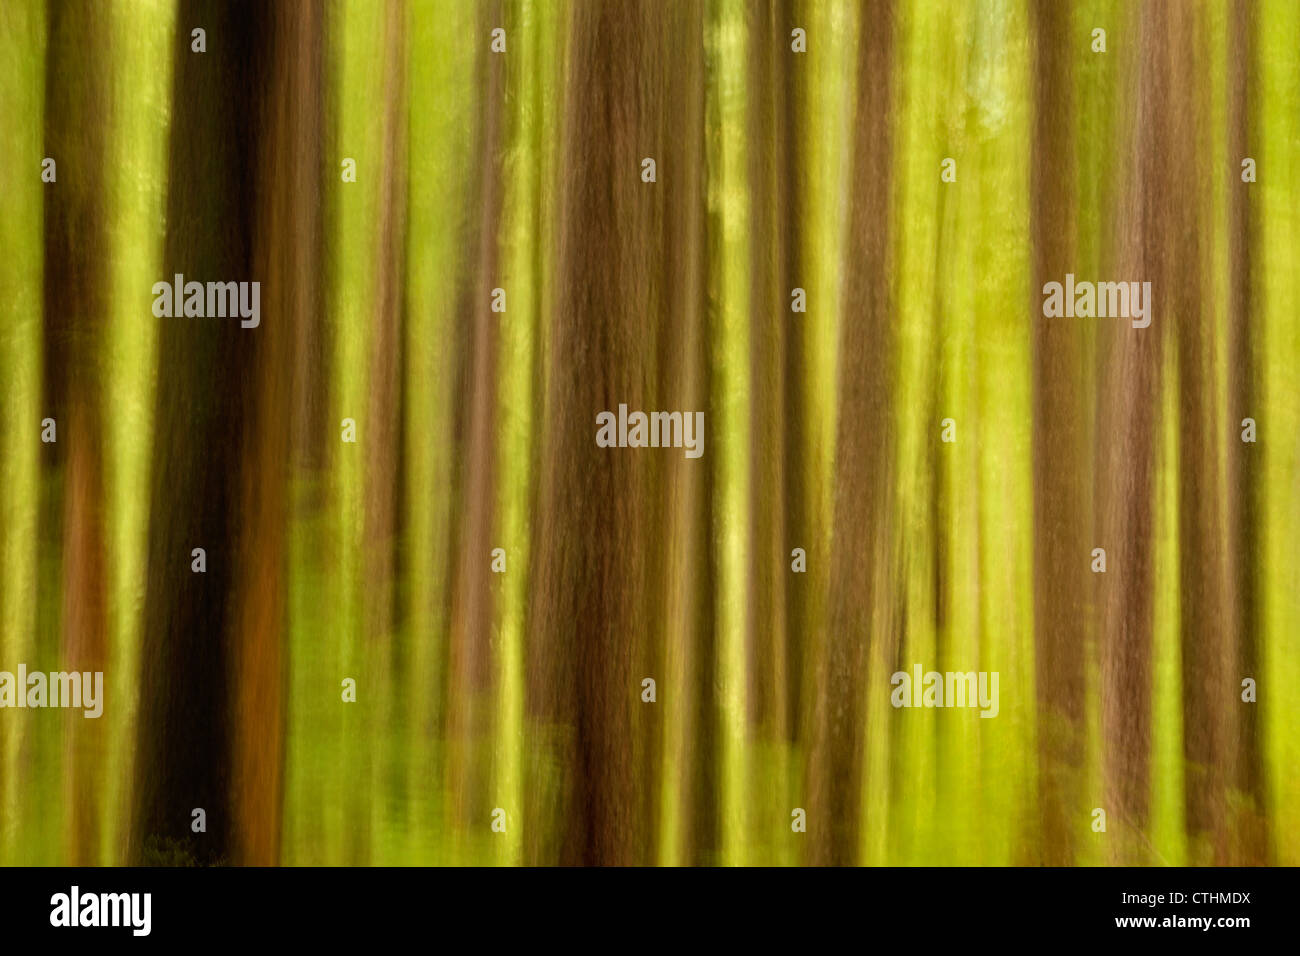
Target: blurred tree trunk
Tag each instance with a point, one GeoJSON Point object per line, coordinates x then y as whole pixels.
{"type": "Point", "coordinates": [242, 206]}
{"type": "Point", "coordinates": [79, 73]}
{"type": "Point", "coordinates": [590, 612]}
{"type": "Point", "coordinates": [1061, 545]}
{"type": "Point", "coordinates": [773, 233]}
{"type": "Point", "coordinates": [1206, 570]}
{"type": "Point", "coordinates": [286, 258]}
{"type": "Point", "coordinates": [860, 602]}
{"type": "Point", "coordinates": [1128, 432]}
{"type": "Point", "coordinates": [473, 607]}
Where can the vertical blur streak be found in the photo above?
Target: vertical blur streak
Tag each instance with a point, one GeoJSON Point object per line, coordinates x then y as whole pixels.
{"type": "Point", "coordinates": [790, 91]}
{"type": "Point", "coordinates": [727, 148]}
{"type": "Point", "coordinates": [439, 71]}
{"type": "Point", "coordinates": [529, 171]}
{"type": "Point", "coordinates": [1245, 477]}
{"type": "Point", "coordinates": [286, 259]}
{"type": "Point", "coordinates": [588, 588]}
{"type": "Point", "coordinates": [79, 70]}
{"type": "Point", "coordinates": [22, 114]}
{"type": "Point", "coordinates": [1060, 470]}
{"type": "Point", "coordinates": [214, 667]}
{"type": "Point", "coordinates": [142, 38]}
{"type": "Point", "coordinates": [860, 604]}
{"type": "Point", "coordinates": [1126, 438]}
{"type": "Point", "coordinates": [774, 233]}
{"type": "Point", "coordinates": [769, 318]}
{"type": "Point", "coordinates": [205, 424]}
{"type": "Point", "coordinates": [383, 410]}
{"type": "Point", "coordinates": [1178, 230]}
{"type": "Point", "coordinates": [473, 617]}
{"type": "Point", "coordinates": [684, 824]}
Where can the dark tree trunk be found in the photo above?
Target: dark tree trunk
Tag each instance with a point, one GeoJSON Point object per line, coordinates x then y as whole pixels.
{"type": "Point", "coordinates": [243, 194]}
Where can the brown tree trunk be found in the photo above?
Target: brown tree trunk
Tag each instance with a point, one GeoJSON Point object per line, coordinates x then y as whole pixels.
{"type": "Point", "coordinates": [860, 595]}
{"type": "Point", "coordinates": [590, 590]}
{"type": "Point", "coordinates": [770, 310]}
{"type": "Point", "coordinates": [1205, 568]}
{"type": "Point", "coordinates": [76, 309]}
{"type": "Point", "coordinates": [472, 605]}
{"type": "Point", "coordinates": [287, 257]}
{"type": "Point", "coordinates": [1061, 543]}
{"type": "Point", "coordinates": [243, 195]}
{"type": "Point", "coordinates": [1148, 233]}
